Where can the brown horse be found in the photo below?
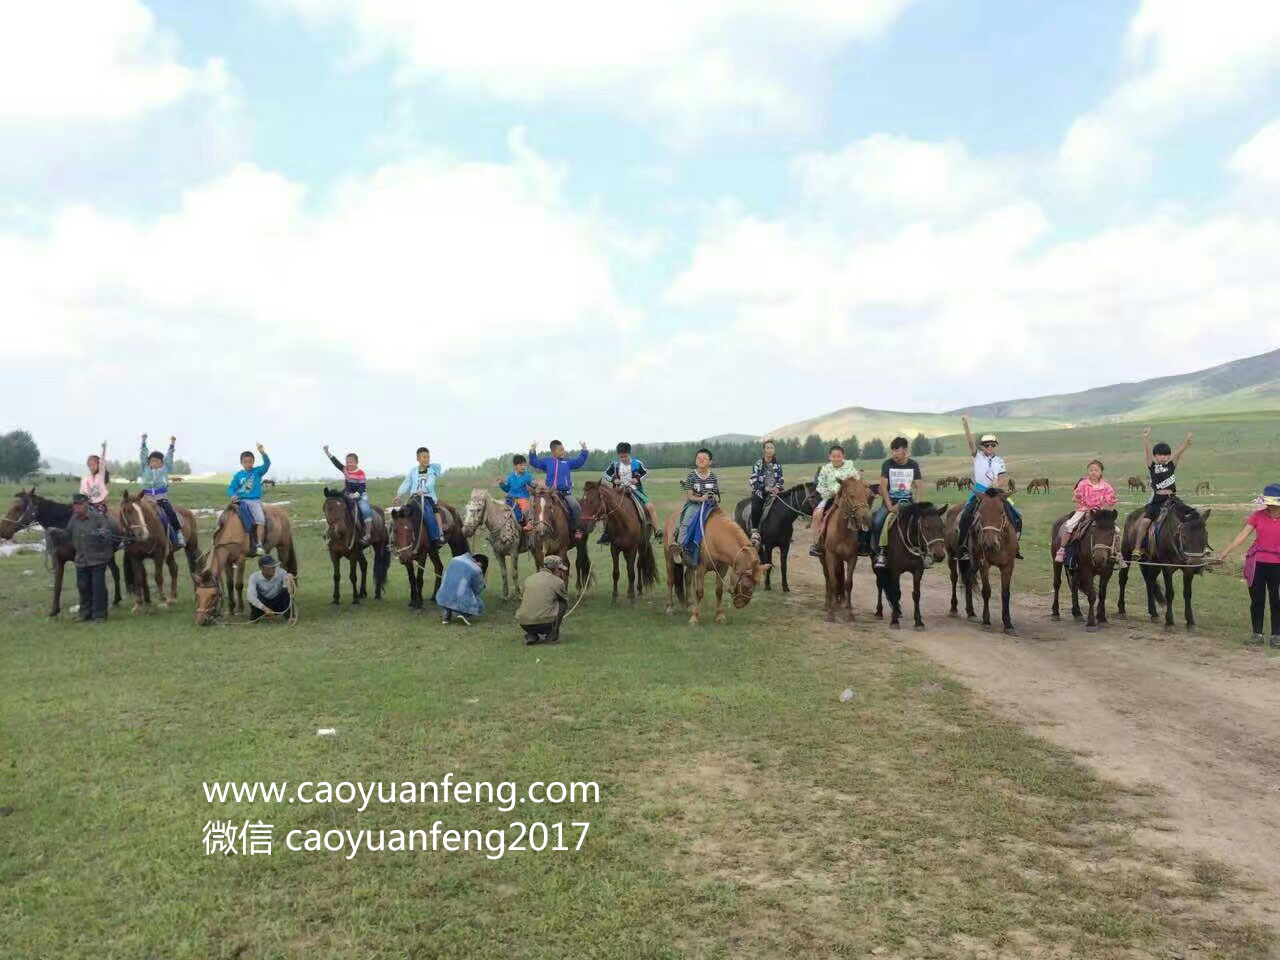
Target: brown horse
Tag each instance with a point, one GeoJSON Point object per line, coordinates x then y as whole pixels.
{"type": "Point", "coordinates": [993, 542]}
{"type": "Point", "coordinates": [1095, 558]}
{"type": "Point", "coordinates": [627, 524]}
{"type": "Point", "coordinates": [918, 532]}
{"type": "Point", "coordinates": [343, 536]}
{"type": "Point", "coordinates": [29, 508]}
{"type": "Point", "coordinates": [551, 535]}
{"type": "Point", "coordinates": [227, 557]}
{"type": "Point", "coordinates": [412, 544]}
{"type": "Point", "coordinates": [1180, 542]}
{"type": "Point", "coordinates": [1136, 483]}
{"type": "Point", "coordinates": [139, 518]}
{"type": "Point", "coordinates": [727, 552]}
{"type": "Point", "coordinates": [846, 519]}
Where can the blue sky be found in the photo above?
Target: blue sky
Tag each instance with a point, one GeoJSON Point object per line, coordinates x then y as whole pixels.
{"type": "Point", "coordinates": [377, 224]}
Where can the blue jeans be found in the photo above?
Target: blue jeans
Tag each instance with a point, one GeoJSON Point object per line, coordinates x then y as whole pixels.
{"type": "Point", "coordinates": [427, 507]}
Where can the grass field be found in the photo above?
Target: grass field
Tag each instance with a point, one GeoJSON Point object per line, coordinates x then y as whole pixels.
{"type": "Point", "coordinates": [744, 810]}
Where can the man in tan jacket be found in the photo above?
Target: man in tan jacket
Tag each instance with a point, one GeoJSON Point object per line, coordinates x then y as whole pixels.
{"type": "Point", "coordinates": [545, 600]}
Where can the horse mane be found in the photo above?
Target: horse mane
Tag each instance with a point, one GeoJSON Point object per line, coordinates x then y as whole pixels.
{"type": "Point", "coordinates": [912, 510]}
{"type": "Point", "coordinates": [60, 512]}
{"type": "Point", "coordinates": [331, 494]}
{"type": "Point", "coordinates": [1184, 511]}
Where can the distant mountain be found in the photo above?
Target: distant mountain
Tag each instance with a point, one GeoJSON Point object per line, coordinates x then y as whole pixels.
{"type": "Point", "coordinates": [1250, 384]}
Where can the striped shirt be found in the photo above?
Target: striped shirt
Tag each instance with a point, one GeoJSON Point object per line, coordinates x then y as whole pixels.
{"type": "Point", "coordinates": [698, 484]}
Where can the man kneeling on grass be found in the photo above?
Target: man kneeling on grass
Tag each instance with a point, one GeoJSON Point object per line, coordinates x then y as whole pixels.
{"type": "Point", "coordinates": [460, 588]}
{"type": "Point", "coordinates": [270, 592]}
{"type": "Point", "coordinates": [545, 600]}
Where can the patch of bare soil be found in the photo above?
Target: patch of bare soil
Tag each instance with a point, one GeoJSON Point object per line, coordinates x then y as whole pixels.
{"type": "Point", "coordinates": [1171, 714]}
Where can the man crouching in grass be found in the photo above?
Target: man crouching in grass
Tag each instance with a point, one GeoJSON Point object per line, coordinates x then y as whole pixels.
{"type": "Point", "coordinates": [546, 598]}
{"type": "Point", "coordinates": [270, 593]}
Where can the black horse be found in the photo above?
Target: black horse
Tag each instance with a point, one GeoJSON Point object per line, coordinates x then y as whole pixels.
{"type": "Point", "coordinates": [28, 508]}
{"type": "Point", "coordinates": [1181, 543]}
{"type": "Point", "coordinates": [777, 522]}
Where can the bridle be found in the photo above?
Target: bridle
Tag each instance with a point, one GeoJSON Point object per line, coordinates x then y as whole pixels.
{"type": "Point", "coordinates": [30, 512]}
{"type": "Point", "coordinates": [610, 509]}
{"type": "Point", "coordinates": [349, 508]}
{"type": "Point", "coordinates": [924, 543]}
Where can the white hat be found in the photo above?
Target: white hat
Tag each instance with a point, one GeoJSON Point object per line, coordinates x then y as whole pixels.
{"type": "Point", "coordinates": [988, 438]}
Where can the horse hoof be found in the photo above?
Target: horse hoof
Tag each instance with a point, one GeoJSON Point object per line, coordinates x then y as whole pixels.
{"type": "Point", "coordinates": [335, 601]}
{"type": "Point", "coordinates": [879, 614]}
{"type": "Point", "coordinates": [894, 626]}
{"type": "Point", "coordinates": [721, 618]}
{"type": "Point", "coordinates": [954, 613]}
{"type": "Point", "coordinates": [693, 621]}
{"type": "Point", "coordinates": [670, 611]}
{"type": "Point", "coordinates": [1010, 631]}
{"type": "Point", "coordinates": [920, 627]}
{"type": "Point", "coordinates": [1091, 628]}
{"type": "Point", "coordinates": [971, 616]}
{"type": "Point", "coordinates": [1055, 616]}
{"type": "Point", "coordinates": [831, 618]}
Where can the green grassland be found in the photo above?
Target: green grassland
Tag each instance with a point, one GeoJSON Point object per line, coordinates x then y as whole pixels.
{"type": "Point", "coordinates": [744, 809]}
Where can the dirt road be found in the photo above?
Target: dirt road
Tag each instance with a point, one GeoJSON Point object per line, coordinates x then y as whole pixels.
{"type": "Point", "coordinates": [1180, 713]}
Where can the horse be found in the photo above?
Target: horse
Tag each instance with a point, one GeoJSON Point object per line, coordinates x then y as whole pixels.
{"type": "Point", "coordinates": [551, 534]}
{"type": "Point", "coordinates": [777, 524]}
{"type": "Point", "coordinates": [993, 541]}
{"type": "Point", "coordinates": [846, 519]}
{"type": "Point", "coordinates": [1095, 549]}
{"type": "Point", "coordinates": [413, 546]}
{"type": "Point", "coordinates": [147, 539]}
{"type": "Point", "coordinates": [1181, 540]}
{"type": "Point", "coordinates": [1203, 487]}
{"type": "Point", "coordinates": [627, 524]}
{"type": "Point", "coordinates": [226, 558]}
{"type": "Point", "coordinates": [1012, 485]}
{"type": "Point", "coordinates": [918, 532]}
{"type": "Point", "coordinates": [726, 551]}
{"type": "Point", "coordinates": [942, 483]}
{"type": "Point", "coordinates": [343, 537]}
{"type": "Point", "coordinates": [1136, 483]}
{"type": "Point", "coordinates": [506, 538]}
{"type": "Point", "coordinates": [28, 508]}
{"type": "Point", "coordinates": [964, 483]}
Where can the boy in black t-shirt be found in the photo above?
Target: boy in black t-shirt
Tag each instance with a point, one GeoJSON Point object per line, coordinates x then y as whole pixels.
{"type": "Point", "coordinates": [900, 482]}
{"type": "Point", "coordinates": [1161, 464]}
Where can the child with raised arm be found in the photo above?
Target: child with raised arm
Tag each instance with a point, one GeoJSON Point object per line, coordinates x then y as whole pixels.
{"type": "Point", "coordinates": [154, 477]}
{"type": "Point", "coordinates": [1162, 464]}
{"type": "Point", "coordinates": [245, 491]}
{"type": "Point", "coordinates": [355, 487]}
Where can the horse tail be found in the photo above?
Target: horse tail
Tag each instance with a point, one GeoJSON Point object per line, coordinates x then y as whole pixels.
{"type": "Point", "coordinates": [678, 582]}
{"type": "Point", "coordinates": [648, 564]}
{"type": "Point", "coordinates": [381, 563]}
{"type": "Point", "coordinates": [289, 556]}
{"type": "Point", "coordinates": [891, 586]}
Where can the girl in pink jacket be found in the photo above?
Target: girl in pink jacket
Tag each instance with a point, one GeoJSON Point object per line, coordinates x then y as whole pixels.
{"type": "Point", "coordinates": [94, 483]}
{"type": "Point", "coordinates": [1091, 493]}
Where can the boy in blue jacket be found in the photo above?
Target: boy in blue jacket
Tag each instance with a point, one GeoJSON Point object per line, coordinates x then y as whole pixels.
{"type": "Point", "coordinates": [516, 487]}
{"type": "Point", "coordinates": [559, 476]}
{"type": "Point", "coordinates": [420, 482]}
{"type": "Point", "coordinates": [245, 491]}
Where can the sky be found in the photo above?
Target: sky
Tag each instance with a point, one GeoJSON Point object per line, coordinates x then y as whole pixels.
{"type": "Point", "coordinates": [384, 223]}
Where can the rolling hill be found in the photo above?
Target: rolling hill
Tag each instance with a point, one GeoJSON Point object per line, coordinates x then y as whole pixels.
{"type": "Point", "coordinates": [1248, 385]}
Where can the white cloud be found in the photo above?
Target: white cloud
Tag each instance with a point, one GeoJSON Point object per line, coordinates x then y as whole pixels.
{"type": "Point", "coordinates": [693, 63]}
{"type": "Point", "coordinates": [1258, 160]}
{"type": "Point", "coordinates": [1184, 58]}
{"type": "Point", "coordinates": [998, 305]}
{"type": "Point", "coordinates": [66, 61]}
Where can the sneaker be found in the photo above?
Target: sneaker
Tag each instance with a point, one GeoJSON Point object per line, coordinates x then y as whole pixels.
{"type": "Point", "coordinates": [179, 541]}
{"type": "Point", "coordinates": [1275, 642]}
{"type": "Point", "coordinates": [530, 639]}
{"type": "Point", "coordinates": [464, 620]}
{"type": "Point", "coordinates": [755, 537]}
{"type": "Point", "coordinates": [1060, 556]}
{"type": "Point", "coordinates": [927, 561]}
{"type": "Point", "coordinates": [657, 535]}
{"type": "Point", "coordinates": [815, 551]}
{"type": "Point", "coordinates": [445, 620]}
{"type": "Point", "coordinates": [258, 552]}
{"type": "Point", "coordinates": [1255, 640]}
{"type": "Point", "coordinates": [878, 562]}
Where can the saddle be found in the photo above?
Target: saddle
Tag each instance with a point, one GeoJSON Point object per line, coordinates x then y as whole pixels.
{"type": "Point", "coordinates": [641, 514]}
{"type": "Point", "coordinates": [1083, 527]}
{"type": "Point", "coordinates": [267, 526]}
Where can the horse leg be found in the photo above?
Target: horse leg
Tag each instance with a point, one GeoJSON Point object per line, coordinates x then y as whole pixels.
{"type": "Point", "coordinates": [916, 575]}
{"type": "Point", "coordinates": [955, 601]}
{"type": "Point", "coordinates": [766, 555]}
{"type": "Point", "coordinates": [337, 578]}
{"type": "Point", "coordinates": [613, 548]}
{"type": "Point", "coordinates": [1054, 613]}
{"type": "Point", "coordinates": [1074, 581]}
{"type": "Point", "coordinates": [1124, 579]}
{"type": "Point", "coordinates": [1149, 575]}
{"type": "Point", "coordinates": [1104, 580]}
{"type": "Point", "coordinates": [1187, 577]}
{"type": "Point", "coordinates": [502, 564]}
{"type": "Point", "coordinates": [1168, 597]}
{"type": "Point", "coordinates": [1006, 592]}
{"type": "Point", "coordinates": [830, 570]}
{"type": "Point", "coordinates": [160, 584]}
{"type": "Point", "coordinates": [696, 599]}
{"type": "Point", "coordinates": [1091, 595]}
{"type": "Point", "coordinates": [783, 550]}
{"type": "Point", "coordinates": [352, 565]}
{"type": "Point", "coordinates": [438, 568]}
{"type": "Point", "coordinates": [631, 575]}
{"type": "Point", "coordinates": [879, 614]}
{"type": "Point", "coordinates": [172, 564]}
{"type": "Point", "coordinates": [985, 570]}
{"type": "Point", "coordinates": [115, 577]}
{"type": "Point", "coordinates": [847, 599]}
{"type": "Point", "coordinates": [969, 583]}
{"type": "Point", "coordinates": [364, 575]}
{"type": "Point", "coordinates": [720, 617]}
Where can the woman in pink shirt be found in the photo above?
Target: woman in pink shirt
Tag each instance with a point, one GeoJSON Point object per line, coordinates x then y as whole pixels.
{"type": "Point", "coordinates": [1092, 493]}
{"type": "Point", "coordinates": [94, 483]}
{"type": "Point", "coordinates": [1262, 562]}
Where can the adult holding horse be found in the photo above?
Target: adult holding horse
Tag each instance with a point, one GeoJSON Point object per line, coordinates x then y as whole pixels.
{"type": "Point", "coordinates": [231, 549]}
{"type": "Point", "coordinates": [777, 525]}
{"type": "Point", "coordinates": [506, 533]}
{"type": "Point", "coordinates": [29, 508]}
{"type": "Point", "coordinates": [1180, 541]}
{"type": "Point", "coordinates": [411, 542]}
{"type": "Point", "coordinates": [992, 542]}
{"type": "Point", "coordinates": [1092, 557]}
{"type": "Point", "coordinates": [916, 541]}
{"type": "Point", "coordinates": [345, 541]}
{"type": "Point", "coordinates": [150, 537]}
{"type": "Point", "coordinates": [848, 517]}
{"type": "Point", "coordinates": [989, 472]}
{"type": "Point", "coordinates": [1262, 562]}
{"type": "Point", "coordinates": [624, 519]}
{"type": "Point", "coordinates": [725, 551]}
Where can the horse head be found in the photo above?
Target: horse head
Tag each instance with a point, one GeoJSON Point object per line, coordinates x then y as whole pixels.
{"type": "Point", "coordinates": [401, 534]}
{"type": "Point", "coordinates": [335, 513]}
{"type": "Point", "coordinates": [208, 590]}
{"type": "Point", "coordinates": [595, 504]}
{"type": "Point", "coordinates": [21, 513]}
{"type": "Point", "coordinates": [930, 523]}
{"type": "Point", "coordinates": [473, 513]}
{"type": "Point", "coordinates": [808, 497]}
{"type": "Point", "coordinates": [856, 498]}
{"type": "Point", "coordinates": [748, 573]}
{"type": "Point", "coordinates": [992, 519]}
{"type": "Point", "coordinates": [1191, 531]}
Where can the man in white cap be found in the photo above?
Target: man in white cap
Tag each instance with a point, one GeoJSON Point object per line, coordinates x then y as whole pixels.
{"type": "Point", "coordinates": [545, 600]}
{"type": "Point", "coordinates": [988, 472]}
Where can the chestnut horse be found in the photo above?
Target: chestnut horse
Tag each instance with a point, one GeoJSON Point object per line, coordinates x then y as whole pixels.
{"type": "Point", "coordinates": [993, 542]}
{"type": "Point", "coordinates": [727, 552]}
{"type": "Point", "coordinates": [228, 555]}
{"type": "Point", "coordinates": [550, 517]}
{"type": "Point", "coordinates": [846, 519]}
{"type": "Point", "coordinates": [1095, 549]}
{"type": "Point", "coordinates": [139, 518]}
{"type": "Point", "coordinates": [916, 533]}
{"type": "Point", "coordinates": [28, 508]}
{"type": "Point", "coordinates": [343, 537]}
{"type": "Point", "coordinates": [412, 544]}
{"type": "Point", "coordinates": [627, 524]}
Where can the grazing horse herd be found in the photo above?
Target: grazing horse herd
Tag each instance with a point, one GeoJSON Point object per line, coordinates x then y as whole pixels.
{"type": "Point", "coordinates": [919, 536]}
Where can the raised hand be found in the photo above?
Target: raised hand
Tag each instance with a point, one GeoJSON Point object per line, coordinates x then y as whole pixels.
{"type": "Point", "coordinates": [1146, 433]}
{"type": "Point", "coordinates": [173, 441]}
{"type": "Point", "coordinates": [260, 449]}
{"type": "Point", "coordinates": [325, 448]}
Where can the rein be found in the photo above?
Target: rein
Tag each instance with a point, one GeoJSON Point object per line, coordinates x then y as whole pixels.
{"type": "Point", "coordinates": [926, 542]}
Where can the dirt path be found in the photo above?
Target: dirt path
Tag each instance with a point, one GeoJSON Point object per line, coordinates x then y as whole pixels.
{"type": "Point", "coordinates": [1177, 712]}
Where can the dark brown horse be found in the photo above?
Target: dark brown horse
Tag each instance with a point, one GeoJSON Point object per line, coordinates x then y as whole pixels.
{"type": "Point", "coordinates": [28, 508]}
{"type": "Point", "coordinates": [993, 542]}
{"type": "Point", "coordinates": [627, 523]}
{"type": "Point", "coordinates": [1095, 559]}
{"type": "Point", "coordinates": [550, 518]}
{"type": "Point", "coordinates": [917, 533]}
{"type": "Point", "coordinates": [139, 518]}
{"type": "Point", "coordinates": [343, 536]}
{"type": "Point", "coordinates": [412, 544]}
{"type": "Point", "coordinates": [846, 519]}
{"type": "Point", "coordinates": [777, 525]}
{"type": "Point", "coordinates": [726, 552]}
{"type": "Point", "coordinates": [227, 558]}
{"type": "Point", "coordinates": [1181, 542]}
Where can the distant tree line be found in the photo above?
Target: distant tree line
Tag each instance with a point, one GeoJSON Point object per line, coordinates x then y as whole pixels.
{"type": "Point", "coordinates": [742, 453]}
{"type": "Point", "coordinates": [127, 470]}
{"type": "Point", "coordinates": [19, 455]}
